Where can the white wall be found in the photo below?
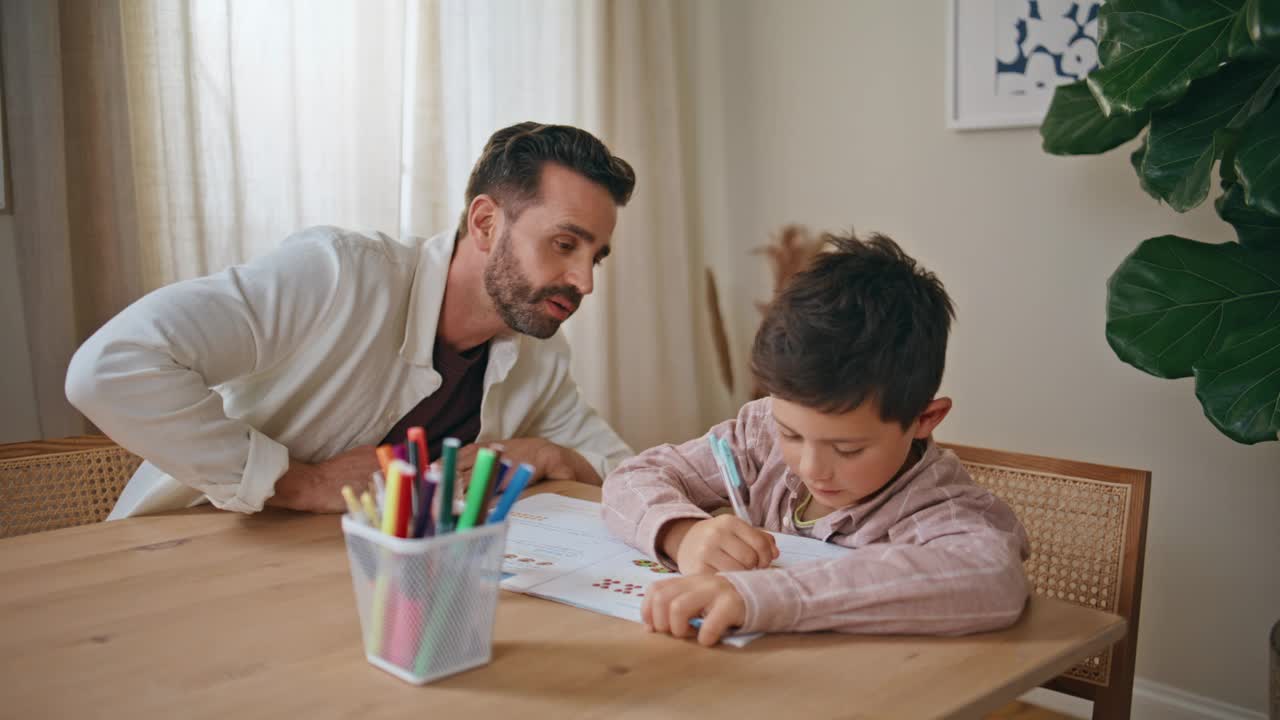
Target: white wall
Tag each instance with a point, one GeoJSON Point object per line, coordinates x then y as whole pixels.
{"type": "Point", "coordinates": [831, 114]}
{"type": "Point", "coordinates": [18, 420]}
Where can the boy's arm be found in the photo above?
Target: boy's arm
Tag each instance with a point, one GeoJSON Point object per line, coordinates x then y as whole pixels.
{"type": "Point", "coordinates": [667, 483]}
{"type": "Point", "coordinates": [953, 567]}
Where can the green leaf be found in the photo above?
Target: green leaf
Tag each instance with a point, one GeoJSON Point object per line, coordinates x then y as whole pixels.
{"type": "Point", "coordinates": [1173, 301]}
{"type": "Point", "coordinates": [1135, 159]}
{"type": "Point", "coordinates": [1262, 20]}
{"type": "Point", "coordinates": [1075, 125]}
{"type": "Point", "coordinates": [1258, 160]}
{"type": "Point", "coordinates": [1239, 45]}
{"type": "Point", "coordinates": [1186, 137]}
{"type": "Point", "coordinates": [1239, 386]}
{"type": "Point", "coordinates": [1254, 228]}
{"type": "Point", "coordinates": [1151, 50]}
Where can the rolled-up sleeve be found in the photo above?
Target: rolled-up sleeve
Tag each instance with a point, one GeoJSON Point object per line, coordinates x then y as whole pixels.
{"type": "Point", "coordinates": [146, 378]}
{"type": "Point", "coordinates": [953, 567]}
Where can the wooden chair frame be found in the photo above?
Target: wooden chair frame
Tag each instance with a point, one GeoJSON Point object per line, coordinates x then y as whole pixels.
{"type": "Point", "coordinates": [1112, 694]}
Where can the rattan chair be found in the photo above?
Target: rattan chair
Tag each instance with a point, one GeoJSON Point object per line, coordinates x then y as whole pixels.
{"type": "Point", "coordinates": [50, 484]}
{"type": "Point", "coordinates": [1088, 530]}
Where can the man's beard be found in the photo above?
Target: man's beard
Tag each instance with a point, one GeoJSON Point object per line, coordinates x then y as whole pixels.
{"type": "Point", "coordinates": [519, 304]}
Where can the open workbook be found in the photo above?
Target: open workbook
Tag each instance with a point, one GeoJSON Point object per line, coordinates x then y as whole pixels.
{"type": "Point", "coordinates": [558, 548]}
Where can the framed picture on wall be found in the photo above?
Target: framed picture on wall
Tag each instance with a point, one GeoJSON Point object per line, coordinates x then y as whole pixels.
{"type": "Point", "coordinates": [1005, 57]}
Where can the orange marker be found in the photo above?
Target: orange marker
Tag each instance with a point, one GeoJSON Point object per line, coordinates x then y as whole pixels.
{"type": "Point", "coordinates": [385, 456]}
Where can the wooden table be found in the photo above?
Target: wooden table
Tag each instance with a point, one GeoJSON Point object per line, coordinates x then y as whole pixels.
{"type": "Point", "coordinates": [206, 614]}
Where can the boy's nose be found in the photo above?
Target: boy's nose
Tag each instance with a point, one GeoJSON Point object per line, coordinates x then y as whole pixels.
{"type": "Point", "coordinates": [813, 464]}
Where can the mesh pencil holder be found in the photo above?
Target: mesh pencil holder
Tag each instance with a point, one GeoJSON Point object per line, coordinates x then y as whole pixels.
{"type": "Point", "coordinates": [426, 606]}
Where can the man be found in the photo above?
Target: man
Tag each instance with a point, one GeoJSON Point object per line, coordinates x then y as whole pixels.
{"type": "Point", "coordinates": [272, 382]}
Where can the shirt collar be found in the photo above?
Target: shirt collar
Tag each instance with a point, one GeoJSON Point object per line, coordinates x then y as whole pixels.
{"type": "Point", "coordinates": [426, 298]}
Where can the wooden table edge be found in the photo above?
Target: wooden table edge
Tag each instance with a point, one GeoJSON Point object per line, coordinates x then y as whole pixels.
{"type": "Point", "coordinates": [1038, 676]}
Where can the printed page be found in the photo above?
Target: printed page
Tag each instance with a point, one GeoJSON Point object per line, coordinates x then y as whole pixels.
{"type": "Point", "coordinates": [558, 548]}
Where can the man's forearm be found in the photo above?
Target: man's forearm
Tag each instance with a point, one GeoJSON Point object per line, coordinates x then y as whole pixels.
{"type": "Point", "coordinates": [317, 487]}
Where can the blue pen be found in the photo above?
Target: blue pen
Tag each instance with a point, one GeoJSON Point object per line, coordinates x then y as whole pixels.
{"type": "Point", "coordinates": [514, 488]}
{"type": "Point", "coordinates": [696, 623]}
{"type": "Point", "coordinates": [734, 475]}
{"type": "Point", "coordinates": [728, 473]}
{"type": "Point", "coordinates": [504, 467]}
{"type": "Point", "coordinates": [422, 525]}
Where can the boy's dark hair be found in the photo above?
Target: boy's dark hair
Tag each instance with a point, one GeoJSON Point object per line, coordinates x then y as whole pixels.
{"type": "Point", "coordinates": [510, 167]}
{"type": "Point", "coordinates": [862, 322]}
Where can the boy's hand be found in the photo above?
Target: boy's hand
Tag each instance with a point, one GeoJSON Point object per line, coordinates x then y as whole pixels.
{"type": "Point", "coordinates": [669, 605]}
{"type": "Point", "coordinates": [718, 544]}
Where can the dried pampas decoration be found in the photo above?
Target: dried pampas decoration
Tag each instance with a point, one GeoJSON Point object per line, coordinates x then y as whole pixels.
{"type": "Point", "coordinates": [790, 252]}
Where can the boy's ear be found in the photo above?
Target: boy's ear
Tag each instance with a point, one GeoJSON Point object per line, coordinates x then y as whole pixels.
{"type": "Point", "coordinates": [482, 222]}
{"type": "Point", "coordinates": [933, 414]}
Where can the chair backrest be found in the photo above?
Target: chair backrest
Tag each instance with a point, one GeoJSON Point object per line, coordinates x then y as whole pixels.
{"type": "Point", "coordinates": [1088, 528]}
{"type": "Point", "coordinates": [50, 484]}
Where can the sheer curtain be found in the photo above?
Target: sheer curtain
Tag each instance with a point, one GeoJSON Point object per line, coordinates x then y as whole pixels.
{"type": "Point", "coordinates": [245, 121]}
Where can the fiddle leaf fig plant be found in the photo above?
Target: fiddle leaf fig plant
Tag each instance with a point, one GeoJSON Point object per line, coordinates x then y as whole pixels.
{"type": "Point", "coordinates": [1200, 77]}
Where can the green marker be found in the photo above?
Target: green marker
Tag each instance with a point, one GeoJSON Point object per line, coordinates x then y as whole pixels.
{"type": "Point", "coordinates": [444, 524]}
{"type": "Point", "coordinates": [478, 492]}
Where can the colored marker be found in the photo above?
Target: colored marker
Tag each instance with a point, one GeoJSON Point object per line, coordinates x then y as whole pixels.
{"type": "Point", "coordinates": [422, 526]}
{"type": "Point", "coordinates": [370, 510]}
{"type": "Point", "coordinates": [385, 456]}
{"type": "Point", "coordinates": [380, 488]}
{"type": "Point", "coordinates": [444, 524]}
{"type": "Point", "coordinates": [509, 496]}
{"type": "Point", "coordinates": [353, 507]}
{"type": "Point", "coordinates": [504, 467]}
{"type": "Point", "coordinates": [391, 503]}
{"type": "Point", "coordinates": [417, 442]}
{"type": "Point", "coordinates": [478, 490]}
{"type": "Point", "coordinates": [404, 509]}
{"type": "Point", "coordinates": [412, 449]}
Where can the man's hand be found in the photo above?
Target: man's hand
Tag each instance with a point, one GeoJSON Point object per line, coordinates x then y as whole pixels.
{"type": "Point", "coordinates": [550, 461]}
{"type": "Point", "coordinates": [718, 544]}
{"type": "Point", "coordinates": [317, 487]}
{"type": "Point", "coordinates": [669, 605]}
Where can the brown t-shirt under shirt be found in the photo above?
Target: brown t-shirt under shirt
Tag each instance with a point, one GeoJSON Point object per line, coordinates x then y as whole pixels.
{"type": "Point", "coordinates": [454, 409]}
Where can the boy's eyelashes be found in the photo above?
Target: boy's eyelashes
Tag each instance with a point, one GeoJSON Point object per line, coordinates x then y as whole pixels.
{"type": "Point", "coordinates": [842, 452]}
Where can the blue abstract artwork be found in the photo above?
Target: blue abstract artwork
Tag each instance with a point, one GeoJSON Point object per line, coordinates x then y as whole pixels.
{"type": "Point", "coordinates": [1041, 44]}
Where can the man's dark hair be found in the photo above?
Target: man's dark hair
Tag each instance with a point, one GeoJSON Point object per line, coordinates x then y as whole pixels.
{"type": "Point", "coordinates": [861, 322]}
{"type": "Point", "coordinates": [510, 167]}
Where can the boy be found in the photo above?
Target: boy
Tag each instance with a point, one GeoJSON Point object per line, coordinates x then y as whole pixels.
{"type": "Point", "coordinates": [851, 354]}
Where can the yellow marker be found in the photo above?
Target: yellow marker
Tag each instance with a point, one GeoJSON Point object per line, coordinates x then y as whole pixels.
{"type": "Point", "coordinates": [391, 502]}
{"type": "Point", "coordinates": [370, 510]}
{"type": "Point", "coordinates": [353, 507]}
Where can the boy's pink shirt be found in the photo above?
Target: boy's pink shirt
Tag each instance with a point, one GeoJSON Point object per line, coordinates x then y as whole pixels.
{"type": "Point", "coordinates": [932, 552]}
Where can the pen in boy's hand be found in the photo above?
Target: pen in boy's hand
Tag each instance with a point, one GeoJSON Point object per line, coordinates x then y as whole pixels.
{"type": "Point", "coordinates": [728, 473]}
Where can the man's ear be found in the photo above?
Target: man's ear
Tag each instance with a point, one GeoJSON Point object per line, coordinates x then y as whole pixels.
{"type": "Point", "coordinates": [933, 414]}
{"type": "Point", "coordinates": [482, 222]}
